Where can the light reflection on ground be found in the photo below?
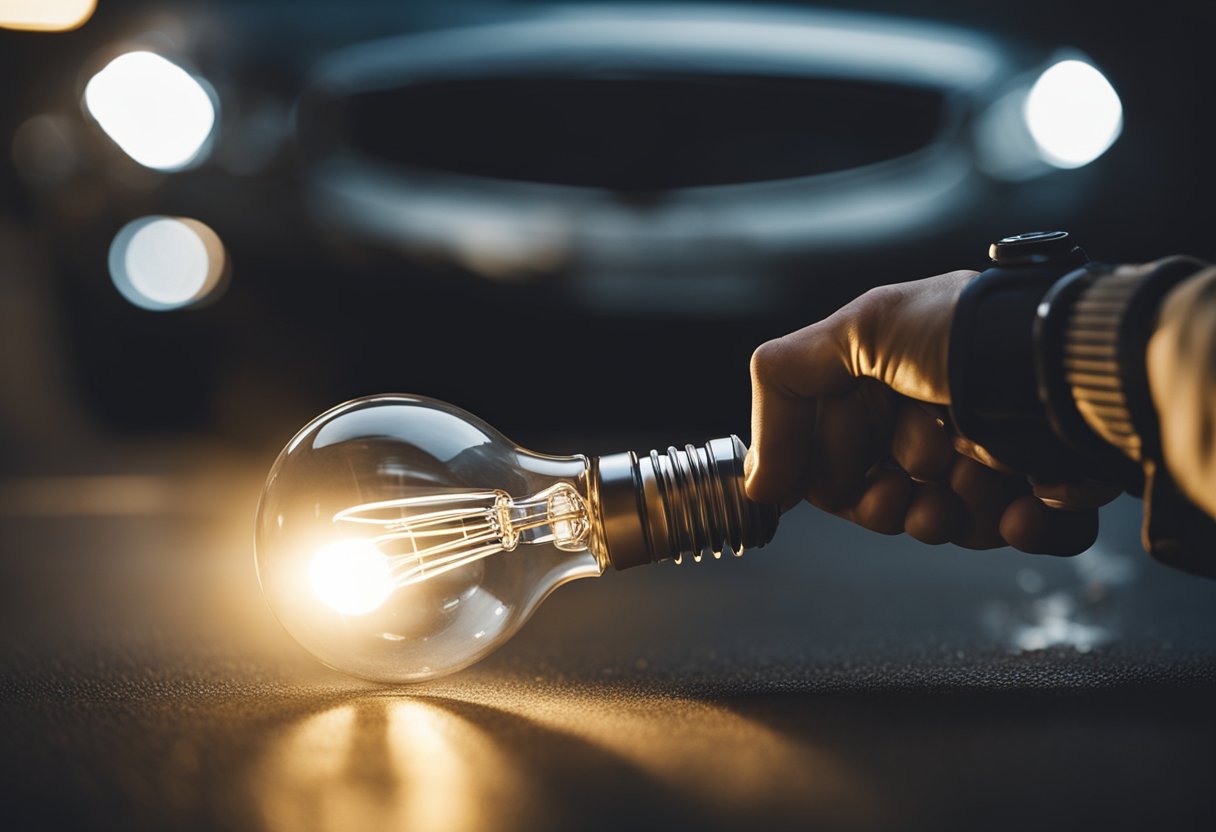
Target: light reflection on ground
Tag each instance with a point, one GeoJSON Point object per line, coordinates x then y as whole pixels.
{"type": "Point", "coordinates": [673, 740]}
{"type": "Point", "coordinates": [388, 762]}
{"type": "Point", "coordinates": [1076, 613]}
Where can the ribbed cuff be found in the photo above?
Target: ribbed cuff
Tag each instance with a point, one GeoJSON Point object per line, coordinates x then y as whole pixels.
{"type": "Point", "coordinates": [1105, 340]}
{"type": "Point", "coordinates": [1091, 359]}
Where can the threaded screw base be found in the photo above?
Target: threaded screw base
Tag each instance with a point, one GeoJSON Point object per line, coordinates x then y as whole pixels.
{"type": "Point", "coordinates": [683, 503]}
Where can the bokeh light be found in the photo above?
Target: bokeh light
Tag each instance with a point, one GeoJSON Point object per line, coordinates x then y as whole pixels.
{"type": "Point", "coordinates": [159, 114]}
{"type": "Point", "coordinates": [160, 263]}
{"type": "Point", "coordinates": [45, 15]}
{"type": "Point", "coordinates": [45, 148]}
{"type": "Point", "coordinates": [1073, 113]}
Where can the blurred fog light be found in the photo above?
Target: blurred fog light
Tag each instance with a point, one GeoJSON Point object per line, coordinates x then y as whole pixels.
{"type": "Point", "coordinates": [45, 15]}
{"type": "Point", "coordinates": [159, 114]}
{"type": "Point", "coordinates": [161, 263]}
{"type": "Point", "coordinates": [1073, 114]}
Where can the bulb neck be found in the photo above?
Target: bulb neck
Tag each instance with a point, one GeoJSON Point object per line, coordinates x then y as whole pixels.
{"type": "Point", "coordinates": [682, 503]}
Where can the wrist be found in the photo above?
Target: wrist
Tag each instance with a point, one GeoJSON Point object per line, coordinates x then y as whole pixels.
{"type": "Point", "coordinates": [994, 391]}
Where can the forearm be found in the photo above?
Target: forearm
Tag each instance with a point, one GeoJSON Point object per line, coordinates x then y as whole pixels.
{"type": "Point", "coordinates": [1182, 376]}
{"type": "Point", "coordinates": [1124, 385]}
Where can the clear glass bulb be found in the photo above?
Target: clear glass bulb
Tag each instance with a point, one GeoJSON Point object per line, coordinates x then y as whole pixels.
{"type": "Point", "coordinates": [400, 538]}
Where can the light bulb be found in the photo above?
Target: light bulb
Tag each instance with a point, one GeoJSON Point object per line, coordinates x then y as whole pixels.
{"type": "Point", "coordinates": [400, 538]}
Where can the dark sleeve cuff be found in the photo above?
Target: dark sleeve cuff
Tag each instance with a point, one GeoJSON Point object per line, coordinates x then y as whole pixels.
{"type": "Point", "coordinates": [995, 396]}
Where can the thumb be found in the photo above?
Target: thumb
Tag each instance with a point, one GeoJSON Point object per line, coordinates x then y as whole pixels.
{"type": "Point", "coordinates": [788, 374]}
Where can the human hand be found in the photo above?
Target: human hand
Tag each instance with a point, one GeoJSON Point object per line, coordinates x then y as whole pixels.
{"type": "Point", "coordinates": [849, 414]}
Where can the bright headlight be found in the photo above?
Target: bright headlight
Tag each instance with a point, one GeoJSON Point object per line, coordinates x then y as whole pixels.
{"type": "Point", "coordinates": [159, 114]}
{"type": "Point", "coordinates": [1073, 113]}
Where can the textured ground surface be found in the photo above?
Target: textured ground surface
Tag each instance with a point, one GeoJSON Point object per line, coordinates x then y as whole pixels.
{"type": "Point", "coordinates": [832, 680]}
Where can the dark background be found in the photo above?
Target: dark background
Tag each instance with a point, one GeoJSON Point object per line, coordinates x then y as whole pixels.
{"type": "Point", "coordinates": [312, 317]}
{"type": "Point", "coordinates": [836, 679]}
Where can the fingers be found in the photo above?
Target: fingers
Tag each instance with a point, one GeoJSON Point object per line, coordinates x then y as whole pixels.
{"type": "Point", "coordinates": [985, 494]}
{"type": "Point", "coordinates": [975, 507]}
{"type": "Point", "coordinates": [1029, 525]}
{"type": "Point", "coordinates": [934, 514]}
{"type": "Point", "coordinates": [884, 502]}
{"type": "Point", "coordinates": [788, 374]}
{"type": "Point", "coordinates": [779, 460]}
{"type": "Point", "coordinates": [921, 445]}
{"type": "Point", "coordinates": [980, 529]}
{"type": "Point", "coordinates": [851, 434]}
{"type": "Point", "coordinates": [891, 503]}
{"type": "Point", "coordinates": [980, 487]}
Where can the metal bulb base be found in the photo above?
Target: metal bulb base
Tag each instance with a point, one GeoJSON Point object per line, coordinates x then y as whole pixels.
{"type": "Point", "coordinates": [684, 503]}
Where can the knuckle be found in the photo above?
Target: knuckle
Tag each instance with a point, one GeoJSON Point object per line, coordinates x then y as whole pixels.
{"type": "Point", "coordinates": [882, 296]}
{"type": "Point", "coordinates": [766, 359]}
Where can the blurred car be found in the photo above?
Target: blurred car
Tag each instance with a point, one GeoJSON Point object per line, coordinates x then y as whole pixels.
{"type": "Point", "coordinates": [548, 215]}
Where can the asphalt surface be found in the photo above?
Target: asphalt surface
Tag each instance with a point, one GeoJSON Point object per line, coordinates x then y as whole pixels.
{"type": "Point", "coordinates": [834, 679]}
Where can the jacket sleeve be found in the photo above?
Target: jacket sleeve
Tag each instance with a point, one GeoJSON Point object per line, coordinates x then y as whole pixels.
{"type": "Point", "coordinates": [1181, 364]}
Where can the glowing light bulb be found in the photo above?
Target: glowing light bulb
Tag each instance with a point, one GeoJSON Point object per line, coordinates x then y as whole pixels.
{"type": "Point", "coordinates": [399, 538]}
{"type": "Point", "coordinates": [351, 576]}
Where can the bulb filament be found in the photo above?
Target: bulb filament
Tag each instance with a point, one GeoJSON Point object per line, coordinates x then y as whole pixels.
{"type": "Point", "coordinates": [421, 537]}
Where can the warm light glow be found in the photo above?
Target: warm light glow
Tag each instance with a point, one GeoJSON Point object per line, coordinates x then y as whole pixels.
{"type": "Point", "coordinates": [468, 760]}
{"type": "Point", "coordinates": [351, 576]}
{"type": "Point", "coordinates": [159, 114]}
{"type": "Point", "coordinates": [161, 263]}
{"type": "Point", "coordinates": [394, 763]}
{"type": "Point", "coordinates": [1073, 114]}
{"type": "Point", "coordinates": [45, 15]}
